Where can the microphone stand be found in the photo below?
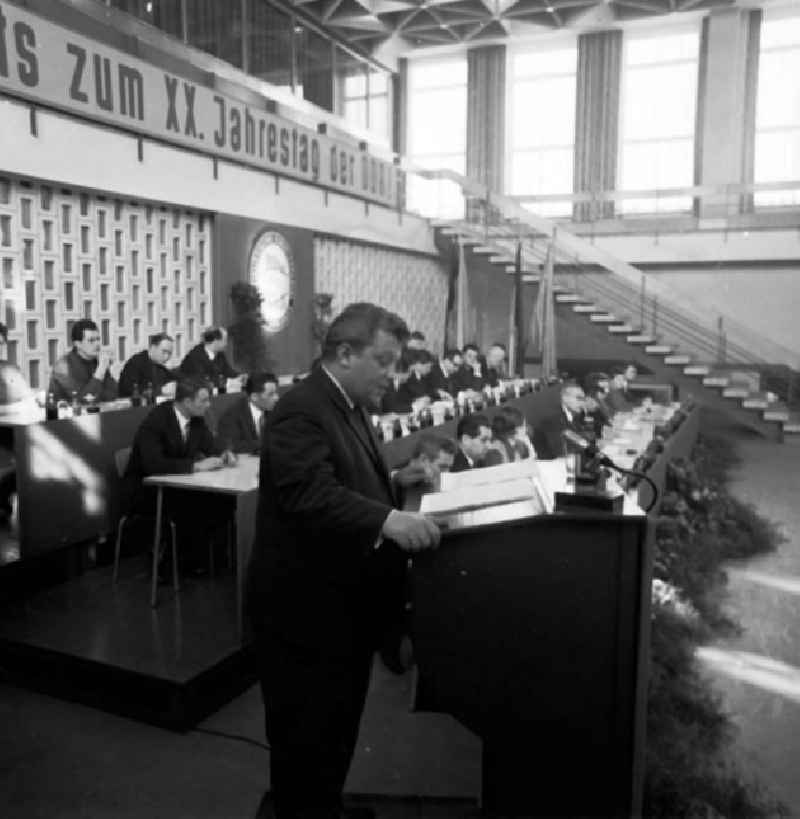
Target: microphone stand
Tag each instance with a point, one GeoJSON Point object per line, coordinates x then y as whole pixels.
{"type": "Point", "coordinates": [604, 460]}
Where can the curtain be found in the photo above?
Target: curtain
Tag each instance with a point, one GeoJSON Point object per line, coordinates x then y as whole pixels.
{"type": "Point", "coordinates": [486, 95]}
{"type": "Point", "coordinates": [596, 120]}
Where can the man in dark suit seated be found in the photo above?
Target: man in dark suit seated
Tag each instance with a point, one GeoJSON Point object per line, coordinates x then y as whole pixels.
{"type": "Point", "coordinates": [617, 398]}
{"type": "Point", "coordinates": [208, 359]}
{"type": "Point", "coordinates": [473, 435]}
{"type": "Point", "coordinates": [328, 568]}
{"type": "Point", "coordinates": [241, 425]}
{"type": "Point", "coordinates": [548, 438]}
{"type": "Point", "coordinates": [86, 369]}
{"type": "Point", "coordinates": [472, 373]}
{"type": "Point", "coordinates": [416, 384]}
{"type": "Point", "coordinates": [148, 369]}
{"type": "Point", "coordinates": [496, 364]}
{"type": "Point", "coordinates": [440, 378]}
{"type": "Point", "coordinates": [432, 455]}
{"type": "Point", "coordinates": [174, 439]}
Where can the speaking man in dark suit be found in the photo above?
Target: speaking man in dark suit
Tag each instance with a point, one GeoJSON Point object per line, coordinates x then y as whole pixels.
{"type": "Point", "coordinates": [325, 581]}
{"type": "Point", "coordinates": [241, 425]}
{"type": "Point", "coordinates": [207, 359]}
{"type": "Point", "coordinates": [174, 439]}
{"type": "Point", "coordinates": [548, 434]}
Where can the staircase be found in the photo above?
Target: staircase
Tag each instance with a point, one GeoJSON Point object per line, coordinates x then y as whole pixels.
{"type": "Point", "coordinates": [719, 362]}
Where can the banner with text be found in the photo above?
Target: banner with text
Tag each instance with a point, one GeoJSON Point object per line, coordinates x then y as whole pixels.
{"type": "Point", "coordinates": [47, 63]}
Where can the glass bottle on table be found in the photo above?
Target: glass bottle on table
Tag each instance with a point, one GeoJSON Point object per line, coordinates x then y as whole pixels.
{"type": "Point", "coordinates": [136, 396]}
{"type": "Point", "coordinates": [51, 408]}
{"type": "Point", "coordinates": [76, 404]}
{"type": "Point", "coordinates": [222, 385]}
{"type": "Point", "coordinates": [147, 395]}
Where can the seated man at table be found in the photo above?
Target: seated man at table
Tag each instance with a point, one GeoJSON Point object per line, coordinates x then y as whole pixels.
{"type": "Point", "coordinates": [148, 369]}
{"type": "Point", "coordinates": [85, 370]}
{"type": "Point", "coordinates": [471, 375]}
{"type": "Point", "coordinates": [241, 425]}
{"type": "Point", "coordinates": [473, 435]}
{"type": "Point", "coordinates": [618, 399]}
{"type": "Point", "coordinates": [440, 378]}
{"type": "Point", "coordinates": [496, 364]}
{"type": "Point", "coordinates": [432, 455]}
{"type": "Point", "coordinates": [174, 439]}
{"type": "Point", "coordinates": [510, 441]}
{"type": "Point", "coordinates": [548, 436]}
{"type": "Point", "coordinates": [208, 360]}
{"type": "Point", "coordinates": [416, 384]}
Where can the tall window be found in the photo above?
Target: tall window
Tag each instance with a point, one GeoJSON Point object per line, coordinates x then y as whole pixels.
{"type": "Point", "coordinates": [658, 107]}
{"type": "Point", "coordinates": [542, 132]}
{"type": "Point", "coordinates": [363, 95]}
{"type": "Point", "coordinates": [777, 156]}
{"type": "Point", "coordinates": [437, 132]}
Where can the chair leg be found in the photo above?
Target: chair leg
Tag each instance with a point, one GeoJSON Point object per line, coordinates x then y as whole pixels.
{"type": "Point", "coordinates": [156, 548]}
{"type": "Point", "coordinates": [117, 548]}
{"type": "Point", "coordinates": [176, 582]}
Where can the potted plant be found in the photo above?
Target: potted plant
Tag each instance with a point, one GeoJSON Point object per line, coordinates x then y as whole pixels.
{"type": "Point", "coordinates": [249, 343]}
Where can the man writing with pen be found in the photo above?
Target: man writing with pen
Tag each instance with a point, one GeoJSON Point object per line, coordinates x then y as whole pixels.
{"type": "Point", "coordinates": [174, 439]}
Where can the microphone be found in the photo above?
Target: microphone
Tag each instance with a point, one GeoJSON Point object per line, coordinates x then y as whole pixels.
{"type": "Point", "coordinates": [589, 448]}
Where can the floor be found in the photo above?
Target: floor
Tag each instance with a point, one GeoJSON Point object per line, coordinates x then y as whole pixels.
{"type": "Point", "coordinates": [68, 761]}
{"type": "Point", "coordinates": [758, 672]}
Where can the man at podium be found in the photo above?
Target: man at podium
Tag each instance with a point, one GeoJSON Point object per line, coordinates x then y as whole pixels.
{"type": "Point", "coordinates": [327, 575]}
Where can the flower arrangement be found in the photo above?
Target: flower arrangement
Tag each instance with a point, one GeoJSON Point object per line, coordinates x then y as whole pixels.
{"type": "Point", "coordinates": [250, 347]}
{"type": "Point", "coordinates": [701, 525]}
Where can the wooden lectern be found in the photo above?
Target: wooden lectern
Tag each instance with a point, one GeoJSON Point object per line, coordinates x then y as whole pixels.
{"type": "Point", "coordinates": [532, 632]}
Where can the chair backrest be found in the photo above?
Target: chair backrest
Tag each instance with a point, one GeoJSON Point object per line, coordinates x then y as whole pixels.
{"type": "Point", "coordinates": [121, 458]}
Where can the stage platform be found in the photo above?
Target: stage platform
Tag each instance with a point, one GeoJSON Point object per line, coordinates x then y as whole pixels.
{"type": "Point", "coordinates": [89, 641]}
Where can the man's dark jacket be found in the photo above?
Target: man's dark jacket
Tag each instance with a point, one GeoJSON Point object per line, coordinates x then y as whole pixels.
{"type": "Point", "coordinates": [547, 434]}
{"type": "Point", "coordinates": [315, 578]}
{"type": "Point", "coordinates": [437, 380]}
{"type": "Point", "coordinates": [409, 391]}
{"type": "Point", "coordinates": [237, 429]}
{"type": "Point", "coordinates": [140, 369]}
{"type": "Point", "coordinates": [197, 363]}
{"type": "Point", "coordinates": [159, 449]}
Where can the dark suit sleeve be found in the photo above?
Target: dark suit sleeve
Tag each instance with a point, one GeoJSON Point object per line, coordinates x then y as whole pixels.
{"type": "Point", "coordinates": [151, 443]}
{"type": "Point", "coordinates": [493, 458]}
{"type": "Point", "coordinates": [129, 376]}
{"type": "Point", "coordinates": [547, 440]}
{"type": "Point", "coordinates": [223, 365]}
{"type": "Point", "coordinates": [232, 433]}
{"type": "Point", "coordinates": [304, 478]}
{"type": "Point", "coordinates": [191, 365]}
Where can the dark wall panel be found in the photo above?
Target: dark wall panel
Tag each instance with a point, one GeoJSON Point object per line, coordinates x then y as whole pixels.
{"type": "Point", "coordinates": [291, 348]}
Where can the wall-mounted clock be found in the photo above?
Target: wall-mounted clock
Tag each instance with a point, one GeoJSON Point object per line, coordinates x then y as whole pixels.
{"type": "Point", "coordinates": [272, 272]}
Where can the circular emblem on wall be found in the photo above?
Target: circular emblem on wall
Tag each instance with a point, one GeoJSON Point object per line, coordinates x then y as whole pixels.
{"type": "Point", "coordinates": [272, 272]}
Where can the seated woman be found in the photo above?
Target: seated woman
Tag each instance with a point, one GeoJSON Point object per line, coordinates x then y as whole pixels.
{"type": "Point", "coordinates": [510, 439]}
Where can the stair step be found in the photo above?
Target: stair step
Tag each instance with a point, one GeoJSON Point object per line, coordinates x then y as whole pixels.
{"type": "Point", "coordinates": [736, 392]}
{"type": "Point", "coordinates": [585, 308]}
{"type": "Point", "coordinates": [658, 349]}
{"type": "Point", "coordinates": [603, 318]}
{"type": "Point", "coordinates": [716, 381]}
{"type": "Point", "coordinates": [484, 250]}
{"type": "Point", "coordinates": [696, 369]}
{"type": "Point", "coordinates": [500, 260]}
{"type": "Point", "coordinates": [677, 359]}
{"type": "Point", "coordinates": [640, 339]}
{"type": "Point", "coordinates": [791, 428]}
{"type": "Point", "coordinates": [755, 402]}
{"type": "Point", "coordinates": [568, 298]}
{"type": "Point", "coordinates": [622, 328]}
{"type": "Point", "coordinates": [779, 413]}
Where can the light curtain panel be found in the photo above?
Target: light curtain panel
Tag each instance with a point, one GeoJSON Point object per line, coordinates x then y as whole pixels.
{"type": "Point", "coordinates": [134, 268]}
{"type": "Point", "coordinates": [414, 287]}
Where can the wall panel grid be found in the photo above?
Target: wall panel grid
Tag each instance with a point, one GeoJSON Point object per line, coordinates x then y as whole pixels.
{"type": "Point", "coordinates": [412, 286]}
{"type": "Point", "coordinates": [135, 269]}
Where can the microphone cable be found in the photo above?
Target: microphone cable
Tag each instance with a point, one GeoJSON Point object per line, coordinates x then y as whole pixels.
{"type": "Point", "coordinates": [642, 476]}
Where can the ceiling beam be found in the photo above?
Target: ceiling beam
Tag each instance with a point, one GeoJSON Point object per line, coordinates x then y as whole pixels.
{"type": "Point", "coordinates": [330, 9]}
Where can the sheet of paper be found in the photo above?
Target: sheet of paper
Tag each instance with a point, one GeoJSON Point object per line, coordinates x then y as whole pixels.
{"type": "Point", "coordinates": [475, 497]}
{"type": "Point", "coordinates": [487, 475]}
